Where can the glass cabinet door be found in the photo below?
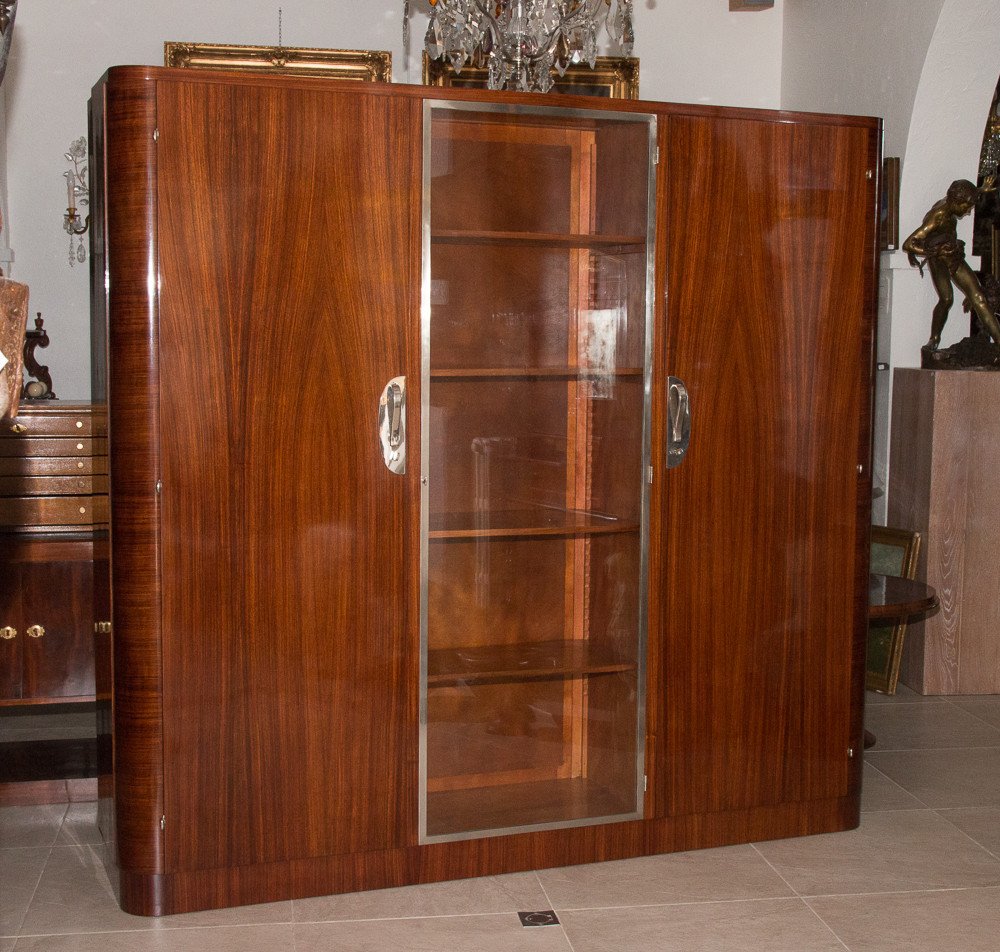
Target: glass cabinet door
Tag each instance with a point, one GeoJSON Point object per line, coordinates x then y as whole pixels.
{"type": "Point", "coordinates": [538, 239]}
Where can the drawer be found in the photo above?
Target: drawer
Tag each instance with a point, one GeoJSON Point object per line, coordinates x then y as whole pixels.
{"type": "Point", "coordinates": [53, 466]}
{"type": "Point", "coordinates": [79, 485]}
{"type": "Point", "coordinates": [54, 446]}
{"type": "Point", "coordinates": [53, 511]}
{"type": "Point", "coordinates": [52, 419]}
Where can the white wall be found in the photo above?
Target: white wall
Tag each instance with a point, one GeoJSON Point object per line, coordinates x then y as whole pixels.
{"type": "Point", "coordinates": [861, 57]}
{"type": "Point", "coordinates": [691, 50]}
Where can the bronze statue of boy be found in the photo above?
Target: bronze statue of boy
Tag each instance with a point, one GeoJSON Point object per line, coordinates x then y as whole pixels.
{"type": "Point", "coordinates": [936, 241]}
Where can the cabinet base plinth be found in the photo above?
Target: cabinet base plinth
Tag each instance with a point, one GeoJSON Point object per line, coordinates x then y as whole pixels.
{"type": "Point", "coordinates": [192, 891]}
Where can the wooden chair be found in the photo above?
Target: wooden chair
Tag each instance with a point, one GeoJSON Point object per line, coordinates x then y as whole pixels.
{"type": "Point", "coordinates": [893, 552]}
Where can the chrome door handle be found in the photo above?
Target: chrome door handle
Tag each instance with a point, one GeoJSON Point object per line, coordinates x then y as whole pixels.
{"type": "Point", "coordinates": [678, 421]}
{"type": "Point", "coordinates": [392, 425]}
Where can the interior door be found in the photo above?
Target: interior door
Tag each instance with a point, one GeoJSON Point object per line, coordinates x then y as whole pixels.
{"type": "Point", "coordinates": [770, 262]}
{"type": "Point", "coordinates": [289, 287]}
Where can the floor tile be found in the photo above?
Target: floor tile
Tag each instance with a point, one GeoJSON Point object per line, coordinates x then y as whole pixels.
{"type": "Point", "coordinates": [981, 823]}
{"type": "Point", "coordinates": [74, 895]}
{"type": "Point", "coordinates": [462, 897]}
{"type": "Point", "coordinates": [918, 726]}
{"type": "Point", "coordinates": [30, 826]}
{"type": "Point", "coordinates": [20, 871]}
{"type": "Point", "coordinates": [962, 920]}
{"type": "Point", "coordinates": [265, 938]}
{"type": "Point", "coordinates": [878, 792]}
{"type": "Point", "coordinates": [890, 851]}
{"type": "Point", "coordinates": [987, 708]}
{"type": "Point", "coordinates": [731, 872]}
{"type": "Point", "coordinates": [502, 933]}
{"type": "Point", "coordinates": [903, 695]}
{"type": "Point", "coordinates": [80, 826]}
{"type": "Point", "coordinates": [7, 945]}
{"type": "Point", "coordinates": [944, 778]}
{"type": "Point", "coordinates": [782, 925]}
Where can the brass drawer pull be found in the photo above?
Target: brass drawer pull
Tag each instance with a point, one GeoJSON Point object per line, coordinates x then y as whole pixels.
{"type": "Point", "coordinates": [7, 633]}
{"type": "Point", "coordinates": [18, 428]}
{"type": "Point", "coordinates": [36, 631]}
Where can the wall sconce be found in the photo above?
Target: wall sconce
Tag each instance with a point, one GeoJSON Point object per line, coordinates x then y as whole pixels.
{"type": "Point", "coordinates": [77, 195]}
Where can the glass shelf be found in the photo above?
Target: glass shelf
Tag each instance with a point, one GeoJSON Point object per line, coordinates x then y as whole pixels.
{"type": "Point", "coordinates": [522, 804]}
{"type": "Point", "coordinates": [614, 244]}
{"type": "Point", "coordinates": [448, 667]}
{"type": "Point", "coordinates": [532, 373]}
{"type": "Point", "coordinates": [499, 523]}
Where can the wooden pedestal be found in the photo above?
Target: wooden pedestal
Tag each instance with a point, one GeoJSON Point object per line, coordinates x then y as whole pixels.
{"type": "Point", "coordinates": [945, 483]}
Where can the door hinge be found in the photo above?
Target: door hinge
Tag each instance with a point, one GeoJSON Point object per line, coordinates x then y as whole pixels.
{"type": "Point", "coordinates": [645, 783]}
{"type": "Point", "coordinates": [156, 135]}
{"type": "Point", "coordinates": [649, 475]}
{"type": "Point", "coordinates": [656, 156]}
{"type": "Point", "coordinates": [163, 822]}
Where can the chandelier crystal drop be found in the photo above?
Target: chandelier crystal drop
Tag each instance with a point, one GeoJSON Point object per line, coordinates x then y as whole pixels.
{"type": "Point", "coordinates": [521, 42]}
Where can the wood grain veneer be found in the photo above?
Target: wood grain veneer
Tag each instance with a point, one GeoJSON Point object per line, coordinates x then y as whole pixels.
{"type": "Point", "coordinates": [289, 641]}
{"type": "Point", "coordinates": [764, 587]}
{"type": "Point", "coordinates": [126, 170]}
{"type": "Point", "coordinates": [214, 888]}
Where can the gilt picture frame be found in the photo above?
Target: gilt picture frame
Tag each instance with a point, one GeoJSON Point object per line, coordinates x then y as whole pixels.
{"type": "Point", "coordinates": [889, 214]}
{"type": "Point", "coordinates": [371, 66]}
{"type": "Point", "coordinates": [613, 77]}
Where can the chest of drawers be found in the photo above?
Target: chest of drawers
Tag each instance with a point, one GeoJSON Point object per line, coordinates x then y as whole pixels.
{"type": "Point", "coordinates": [54, 469]}
{"type": "Point", "coordinates": [53, 522]}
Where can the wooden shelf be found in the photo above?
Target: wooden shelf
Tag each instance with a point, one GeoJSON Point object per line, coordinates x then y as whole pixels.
{"type": "Point", "coordinates": [521, 804]}
{"type": "Point", "coordinates": [499, 523]}
{"type": "Point", "coordinates": [612, 243]}
{"type": "Point", "coordinates": [532, 373]}
{"type": "Point", "coordinates": [540, 660]}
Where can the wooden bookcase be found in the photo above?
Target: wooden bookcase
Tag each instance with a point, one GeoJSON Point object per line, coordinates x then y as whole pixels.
{"type": "Point", "coordinates": [534, 644]}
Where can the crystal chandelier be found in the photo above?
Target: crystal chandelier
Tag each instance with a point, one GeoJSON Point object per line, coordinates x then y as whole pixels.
{"type": "Point", "coordinates": [523, 41]}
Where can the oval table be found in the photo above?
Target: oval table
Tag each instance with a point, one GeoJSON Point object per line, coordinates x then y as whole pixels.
{"type": "Point", "coordinates": [898, 598]}
{"type": "Point", "coordinates": [894, 598]}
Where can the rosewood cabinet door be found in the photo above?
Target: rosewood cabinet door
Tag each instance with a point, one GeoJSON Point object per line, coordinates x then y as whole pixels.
{"type": "Point", "coordinates": [12, 636]}
{"type": "Point", "coordinates": [58, 650]}
{"type": "Point", "coordinates": [770, 261]}
{"type": "Point", "coordinates": [289, 283]}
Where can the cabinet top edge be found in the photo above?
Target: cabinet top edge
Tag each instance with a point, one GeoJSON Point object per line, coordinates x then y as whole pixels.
{"type": "Point", "coordinates": [139, 75]}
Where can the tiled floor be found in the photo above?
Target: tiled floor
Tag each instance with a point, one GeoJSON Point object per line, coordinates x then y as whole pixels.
{"type": "Point", "coordinates": [922, 874]}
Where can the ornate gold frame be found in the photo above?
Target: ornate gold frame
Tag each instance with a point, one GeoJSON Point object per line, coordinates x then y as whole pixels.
{"type": "Point", "coordinates": [370, 66]}
{"type": "Point", "coordinates": [614, 77]}
{"type": "Point", "coordinates": [885, 636]}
